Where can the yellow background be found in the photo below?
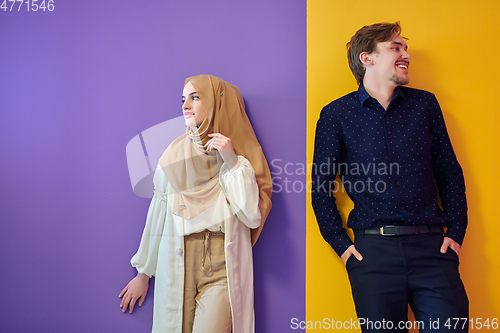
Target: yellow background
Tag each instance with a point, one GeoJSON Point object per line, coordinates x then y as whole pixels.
{"type": "Point", "coordinates": [455, 49]}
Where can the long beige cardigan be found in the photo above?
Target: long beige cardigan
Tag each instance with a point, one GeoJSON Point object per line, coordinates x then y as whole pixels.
{"type": "Point", "coordinates": [161, 250]}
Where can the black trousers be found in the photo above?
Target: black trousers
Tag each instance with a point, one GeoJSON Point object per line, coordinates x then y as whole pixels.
{"type": "Point", "coordinates": [401, 270]}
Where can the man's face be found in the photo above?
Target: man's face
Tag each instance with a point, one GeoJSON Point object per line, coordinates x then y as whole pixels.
{"type": "Point", "coordinates": [390, 62]}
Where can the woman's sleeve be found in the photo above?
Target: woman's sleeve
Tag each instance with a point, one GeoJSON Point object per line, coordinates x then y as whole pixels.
{"type": "Point", "coordinates": [147, 255]}
{"type": "Point", "coordinates": [242, 192]}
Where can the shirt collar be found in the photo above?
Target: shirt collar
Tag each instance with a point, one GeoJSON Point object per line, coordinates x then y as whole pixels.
{"type": "Point", "coordinates": [364, 96]}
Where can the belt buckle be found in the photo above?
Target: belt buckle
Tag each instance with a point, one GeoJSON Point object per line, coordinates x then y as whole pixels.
{"type": "Point", "coordinates": [383, 233]}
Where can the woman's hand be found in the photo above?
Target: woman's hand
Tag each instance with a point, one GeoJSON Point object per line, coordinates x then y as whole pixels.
{"type": "Point", "coordinates": [135, 290]}
{"type": "Point", "coordinates": [219, 142]}
{"type": "Point", "coordinates": [225, 147]}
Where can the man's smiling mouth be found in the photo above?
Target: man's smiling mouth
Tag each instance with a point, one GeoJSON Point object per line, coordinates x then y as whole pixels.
{"type": "Point", "coordinates": [403, 65]}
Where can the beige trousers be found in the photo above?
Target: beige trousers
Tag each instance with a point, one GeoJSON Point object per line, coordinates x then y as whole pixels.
{"type": "Point", "coordinates": [206, 297]}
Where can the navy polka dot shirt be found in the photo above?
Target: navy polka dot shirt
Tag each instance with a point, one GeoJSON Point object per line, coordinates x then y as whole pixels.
{"type": "Point", "coordinates": [392, 164]}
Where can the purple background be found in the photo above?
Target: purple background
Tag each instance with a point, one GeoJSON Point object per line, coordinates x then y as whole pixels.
{"type": "Point", "coordinates": [76, 85]}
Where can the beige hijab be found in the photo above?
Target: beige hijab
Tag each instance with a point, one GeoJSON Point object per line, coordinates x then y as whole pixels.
{"type": "Point", "coordinates": [194, 172]}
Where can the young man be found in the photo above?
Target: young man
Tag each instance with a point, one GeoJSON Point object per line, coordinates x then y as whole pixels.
{"type": "Point", "coordinates": [390, 147]}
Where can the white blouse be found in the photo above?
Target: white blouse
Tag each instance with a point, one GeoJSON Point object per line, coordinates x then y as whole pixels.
{"type": "Point", "coordinates": [238, 200]}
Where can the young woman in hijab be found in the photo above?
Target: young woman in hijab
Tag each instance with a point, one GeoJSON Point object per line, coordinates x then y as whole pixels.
{"type": "Point", "coordinates": [212, 186]}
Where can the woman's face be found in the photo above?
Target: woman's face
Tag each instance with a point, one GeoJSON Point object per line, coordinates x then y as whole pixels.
{"type": "Point", "coordinates": [193, 110]}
